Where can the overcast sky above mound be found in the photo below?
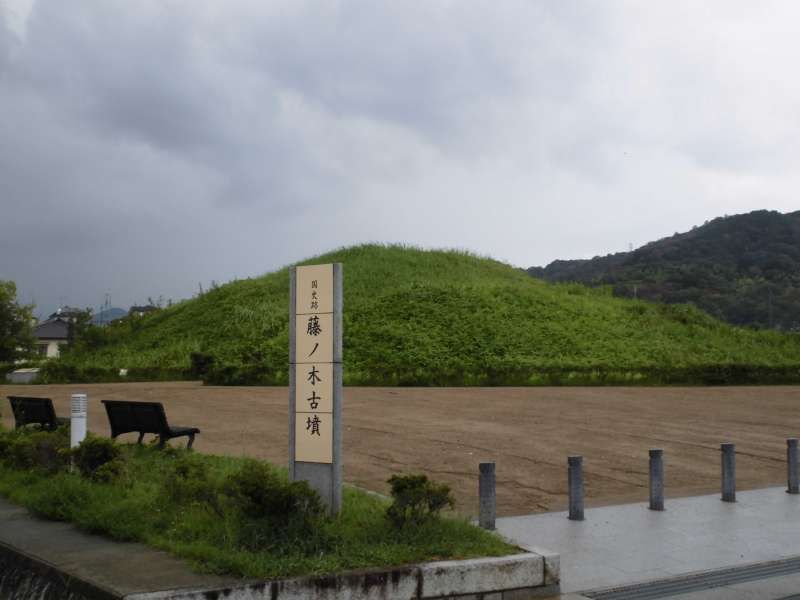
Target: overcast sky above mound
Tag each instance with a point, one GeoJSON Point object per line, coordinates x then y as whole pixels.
{"type": "Point", "coordinates": [149, 146]}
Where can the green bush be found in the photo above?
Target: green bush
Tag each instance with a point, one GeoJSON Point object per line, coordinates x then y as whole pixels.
{"type": "Point", "coordinates": [416, 500]}
{"type": "Point", "coordinates": [187, 481]}
{"type": "Point", "coordinates": [7, 368]}
{"type": "Point", "coordinates": [62, 497]}
{"type": "Point", "coordinates": [109, 472]}
{"type": "Point", "coordinates": [93, 453]}
{"type": "Point", "coordinates": [200, 364]}
{"type": "Point", "coordinates": [157, 374]}
{"type": "Point", "coordinates": [245, 375]}
{"type": "Point", "coordinates": [6, 440]}
{"type": "Point", "coordinates": [35, 449]}
{"type": "Point", "coordinates": [134, 508]}
{"type": "Point", "coordinates": [60, 371]}
{"type": "Point", "coordinates": [273, 510]}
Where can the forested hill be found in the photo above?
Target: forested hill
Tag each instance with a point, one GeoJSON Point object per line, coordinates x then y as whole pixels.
{"type": "Point", "coordinates": [414, 317]}
{"type": "Point", "coordinates": [744, 269]}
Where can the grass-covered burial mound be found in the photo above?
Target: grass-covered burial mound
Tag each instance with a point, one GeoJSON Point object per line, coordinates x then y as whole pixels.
{"type": "Point", "coordinates": [414, 317]}
{"type": "Point", "coordinates": [230, 515]}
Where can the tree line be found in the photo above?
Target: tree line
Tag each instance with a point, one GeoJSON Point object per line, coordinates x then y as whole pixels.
{"type": "Point", "coordinates": [743, 269]}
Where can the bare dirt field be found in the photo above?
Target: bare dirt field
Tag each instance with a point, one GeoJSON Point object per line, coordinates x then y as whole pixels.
{"type": "Point", "coordinates": [529, 432]}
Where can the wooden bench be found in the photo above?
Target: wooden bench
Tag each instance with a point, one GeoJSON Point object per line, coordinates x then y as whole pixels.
{"type": "Point", "coordinates": [35, 411]}
{"type": "Point", "coordinates": [126, 416]}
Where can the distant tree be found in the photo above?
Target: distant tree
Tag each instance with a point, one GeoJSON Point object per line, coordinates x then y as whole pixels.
{"type": "Point", "coordinates": [81, 332]}
{"type": "Point", "coordinates": [16, 325]}
{"type": "Point", "coordinates": [744, 269]}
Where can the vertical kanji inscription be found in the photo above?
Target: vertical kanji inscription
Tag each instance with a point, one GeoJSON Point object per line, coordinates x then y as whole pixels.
{"type": "Point", "coordinates": [313, 364]}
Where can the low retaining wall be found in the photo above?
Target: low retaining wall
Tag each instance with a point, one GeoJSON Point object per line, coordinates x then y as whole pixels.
{"type": "Point", "coordinates": [23, 577]}
{"type": "Point", "coordinates": [516, 577]}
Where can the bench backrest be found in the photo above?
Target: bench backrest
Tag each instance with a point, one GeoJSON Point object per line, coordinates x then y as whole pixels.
{"type": "Point", "coordinates": [28, 411]}
{"type": "Point", "coordinates": [125, 416]}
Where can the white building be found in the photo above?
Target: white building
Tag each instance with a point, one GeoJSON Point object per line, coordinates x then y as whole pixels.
{"type": "Point", "coordinates": [50, 336]}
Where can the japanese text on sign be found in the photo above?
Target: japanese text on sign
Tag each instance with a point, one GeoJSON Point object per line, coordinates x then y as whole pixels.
{"type": "Point", "coordinates": [313, 364]}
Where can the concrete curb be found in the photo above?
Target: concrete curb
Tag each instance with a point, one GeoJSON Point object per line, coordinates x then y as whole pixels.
{"type": "Point", "coordinates": [47, 560]}
{"type": "Point", "coordinates": [515, 577]}
{"type": "Point", "coordinates": [25, 576]}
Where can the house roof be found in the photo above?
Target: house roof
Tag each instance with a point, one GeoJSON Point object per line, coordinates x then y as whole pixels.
{"type": "Point", "coordinates": [143, 309]}
{"type": "Point", "coordinates": [52, 329]}
{"type": "Point", "coordinates": [66, 312]}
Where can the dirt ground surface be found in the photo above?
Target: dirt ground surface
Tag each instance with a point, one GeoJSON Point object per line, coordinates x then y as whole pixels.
{"type": "Point", "coordinates": [528, 432]}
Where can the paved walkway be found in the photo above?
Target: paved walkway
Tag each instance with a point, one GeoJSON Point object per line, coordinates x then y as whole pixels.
{"type": "Point", "coordinates": [626, 544]}
{"type": "Point", "coordinates": [113, 569]}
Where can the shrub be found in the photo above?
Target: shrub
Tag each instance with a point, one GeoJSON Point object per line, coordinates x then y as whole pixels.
{"type": "Point", "coordinates": [258, 492]}
{"type": "Point", "coordinates": [200, 363]}
{"type": "Point", "coordinates": [416, 500]}
{"type": "Point", "coordinates": [61, 498]}
{"type": "Point", "coordinates": [36, 449]}
{"type": "Point", "coordinates": [187, 481]}
{"type": "Point", "coordinates": [157, 374]}
{"type": "Point", "coordinates": [109, 472]}
{"type": "Point", "coordinates": [5, 443]}
{"type": "Point", "coordinates": [59, 371]}
{"type": "Point", "coordinates": [251, 374]}
{"type": "Point", "coordinates": [93, 453]}
{"type": "Point", "coordinates": [6, 367]}
{"type": "Point", "coordinates": [273, 510]}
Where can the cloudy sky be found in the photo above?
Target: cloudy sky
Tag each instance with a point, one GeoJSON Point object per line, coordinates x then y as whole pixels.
{"type": "Point", "coordinates": [149, 146]}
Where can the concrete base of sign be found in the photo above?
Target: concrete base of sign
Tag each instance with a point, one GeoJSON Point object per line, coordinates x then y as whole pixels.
{"type": "Point", "coordinates": [48, 561]}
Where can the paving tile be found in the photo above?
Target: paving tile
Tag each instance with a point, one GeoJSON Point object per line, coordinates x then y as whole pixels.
{"type": "Point", "coordinates": [720, 593]}
{"type": "Point", "coordinates": [774, 587]}
{"type": "Point", "coordinates": [693, 534]}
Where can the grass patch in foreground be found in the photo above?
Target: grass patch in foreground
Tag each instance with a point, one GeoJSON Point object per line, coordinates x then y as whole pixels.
{"type": "Point", "coordinates": [146, 503]}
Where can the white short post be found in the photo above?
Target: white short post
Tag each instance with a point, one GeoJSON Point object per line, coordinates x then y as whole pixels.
{"type": "Point", "coordinates": [78, 420]}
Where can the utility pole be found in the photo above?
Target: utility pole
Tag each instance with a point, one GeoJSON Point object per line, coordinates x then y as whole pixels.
{"type": "Point", "coordinates": [106, 307]}
{"type": "Point", "coordinates": [771, 323]}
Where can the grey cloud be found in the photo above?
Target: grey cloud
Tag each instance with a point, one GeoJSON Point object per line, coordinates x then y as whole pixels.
{"type": "Point", "coordinates": [125, 75]}
{"type": "Point", "coordinates": [432, 69]}
{"type": "Point", "coordinates": [147, 146]}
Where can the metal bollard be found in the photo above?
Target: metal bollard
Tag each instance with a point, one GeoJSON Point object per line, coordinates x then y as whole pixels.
{"type": "Point", "coordinates": [728, 472]}
{"type": "Point", "coordinates": [656, 479]}
{"type": "Point", "coordinates": [575, 480]}
{"type": "Point", "coordinates": [791, 466]}
{"type": "Point", "coordinates": [77, 424]}
{"type": "Point", "coordinates": [487, 495]}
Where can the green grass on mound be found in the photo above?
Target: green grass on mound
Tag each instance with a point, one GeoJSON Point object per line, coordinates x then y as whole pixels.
{"type": "Point", "coordinates": [415, 317]}
{"type": "Point", "coordinates": [147, 503]}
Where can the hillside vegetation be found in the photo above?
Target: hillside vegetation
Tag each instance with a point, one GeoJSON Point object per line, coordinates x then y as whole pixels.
{"type": "Point", "coordinates": [744, 269]}
{"type": "Point", "coordinates": [416, 317]}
